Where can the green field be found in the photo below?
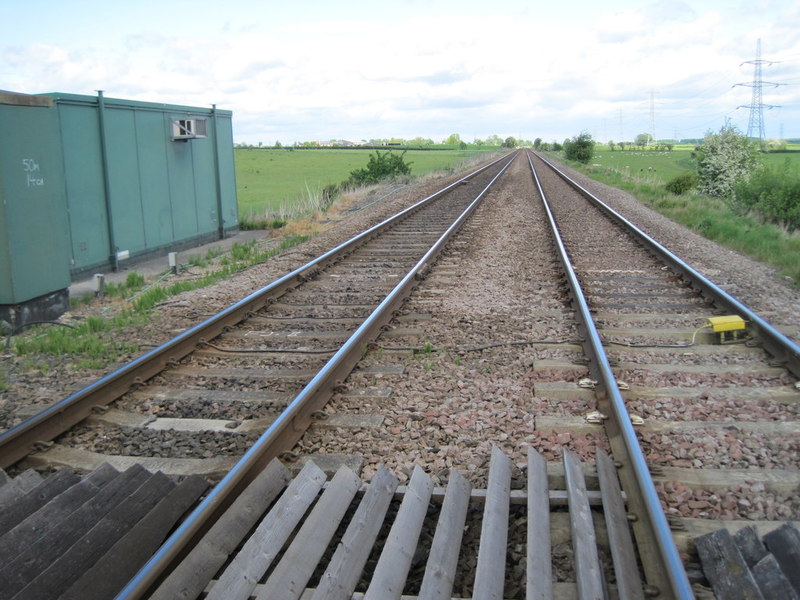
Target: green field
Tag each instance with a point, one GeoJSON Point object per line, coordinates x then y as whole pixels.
{"type": "Point", "coordinates": [267, 177]}
{"type": "Point", "coordinates": [660, 167]}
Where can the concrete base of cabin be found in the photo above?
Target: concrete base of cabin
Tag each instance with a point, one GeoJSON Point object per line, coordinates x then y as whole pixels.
{"type": "Point", "coordinates": [44, 308]}
{"type": "Point", "coordinates": [140, 256]}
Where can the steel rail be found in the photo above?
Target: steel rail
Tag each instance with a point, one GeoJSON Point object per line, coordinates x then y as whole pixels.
{"type": "Point", "coordinates": [294, 420]}
{"type": "Point", "coordinates": [776, 343]}
{"type": "Point", "coordinates": [21, 440]}
{"type": "Point", "coordinates": [671, 571]}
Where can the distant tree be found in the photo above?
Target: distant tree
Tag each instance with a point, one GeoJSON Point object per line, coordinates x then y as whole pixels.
{"type": "Point", "coordinates": [510, 142]}
{"type": "Point", "coordinates": [453, 139]}
{"type": "Point", "coordinates": [478, 142]}
{"type": "Point", "coordinates": [494, 140]}
{"type": "Point", "coordinates": [611, 145]}
{"type": "Point", "coordinates": [537, 143]}
{"type": "Point", "coordinates": [556, 147]}
{"type": "Point", "coordinates": [278, 144]}
{"type": "Point", "coordinates": [723, 159]}
{"type": "Point", "coordinates": [580, 148]}
{"type": "Point", "coordinates": [644, 139]}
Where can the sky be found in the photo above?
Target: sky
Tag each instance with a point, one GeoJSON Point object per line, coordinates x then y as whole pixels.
{"type": "Point", "coordinates": [304, 70]}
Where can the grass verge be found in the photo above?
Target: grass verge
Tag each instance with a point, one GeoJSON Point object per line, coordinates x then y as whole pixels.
{"type": "Point", "coordinates": [94, 342]}
{"type": "Point", "coordinates": [241, 257]}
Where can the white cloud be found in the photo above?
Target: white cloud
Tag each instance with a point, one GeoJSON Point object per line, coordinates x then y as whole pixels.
{"type": "Point", "coordinates": [317, 70]}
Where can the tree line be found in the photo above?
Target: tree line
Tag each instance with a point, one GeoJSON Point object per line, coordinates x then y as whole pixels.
{"type": "Point", "coordinates": [452, 141]}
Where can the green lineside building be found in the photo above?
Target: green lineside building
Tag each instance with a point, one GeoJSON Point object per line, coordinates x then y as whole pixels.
{"type": "Point", "coordinates": [88, 182]}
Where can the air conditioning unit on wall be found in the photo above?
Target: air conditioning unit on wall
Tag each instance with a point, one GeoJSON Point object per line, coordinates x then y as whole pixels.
{"type": "Point", "coordinates": [189, 129]}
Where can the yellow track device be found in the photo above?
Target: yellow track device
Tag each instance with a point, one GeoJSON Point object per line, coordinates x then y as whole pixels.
{"type": "Point", "coordinates": [728, 328]}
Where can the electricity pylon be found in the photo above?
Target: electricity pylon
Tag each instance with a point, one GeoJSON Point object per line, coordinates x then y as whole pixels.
{"type": "Point", "coordinates": [756, 106]}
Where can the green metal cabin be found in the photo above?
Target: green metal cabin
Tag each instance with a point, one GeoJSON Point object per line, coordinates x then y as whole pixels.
{"type": "Point", "coordinates": [89, 181]}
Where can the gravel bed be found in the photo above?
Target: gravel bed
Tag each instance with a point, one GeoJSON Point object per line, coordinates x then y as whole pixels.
{"type": "Point", "coordinates": [126, 441]}
{"type": "Point", "coordinates": [715, 407]}
{"type": "Point", "coordinates": [751, 501]}
{"type": "Point", "coordinates": [240, 383]}
{"type": "Point", "coordinates": [701, 380]}
{"type": "Point", "coordinates": [655, 321]}
{"type": "Point", "coordinates": [645, 306]}
{"type": "Point", "coordinates": [685, 356]}
{"type": "Point", "coordinates": [203, 408]}
{"type": "Point", "coordinates": [729, 448]}
{"type": "Point", "coordinates": [437, 414]}
{"type": "Point", "coordinates": [450, 406]}
{"type": "Point", "coordinates": [272, 360]}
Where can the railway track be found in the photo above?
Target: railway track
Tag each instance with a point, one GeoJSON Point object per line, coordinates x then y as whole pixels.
{"type": "Point", "coordinates": [717, 409]}
{"type": "Point", "coordinates": [465, 376]}
{"type": "Point", "coordinates": [677, 375]}
{"type": "Point", "coordinates": [262, 350]}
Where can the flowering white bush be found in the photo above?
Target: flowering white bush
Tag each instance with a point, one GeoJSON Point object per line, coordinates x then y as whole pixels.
{"type": "Point", "coordinates": [723, 159]}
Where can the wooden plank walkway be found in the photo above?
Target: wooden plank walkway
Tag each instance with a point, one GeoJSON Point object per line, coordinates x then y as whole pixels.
{"type": "Point", "coordinates": [346, 539]}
